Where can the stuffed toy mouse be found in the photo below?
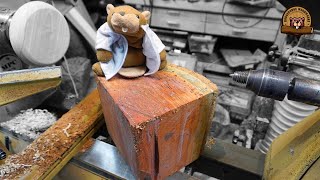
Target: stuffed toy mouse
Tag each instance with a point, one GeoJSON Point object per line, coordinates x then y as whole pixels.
{"type": "Point", "coordinates": [126, 45]}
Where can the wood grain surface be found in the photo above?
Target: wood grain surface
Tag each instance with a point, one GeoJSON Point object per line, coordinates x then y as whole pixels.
{"type": "Point", "coordinates": [158, 122]}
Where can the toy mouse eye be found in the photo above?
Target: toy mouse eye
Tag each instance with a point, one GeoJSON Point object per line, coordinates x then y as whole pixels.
{"type": "Point", "coordinates": [138, 16]}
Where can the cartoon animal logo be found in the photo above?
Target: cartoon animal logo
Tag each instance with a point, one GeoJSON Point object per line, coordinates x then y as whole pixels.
{"type": "Point", "coordinates": [297, 22]}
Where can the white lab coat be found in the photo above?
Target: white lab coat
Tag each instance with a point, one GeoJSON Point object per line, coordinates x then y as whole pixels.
{"type": "Point", "coordinates": [116, 43]}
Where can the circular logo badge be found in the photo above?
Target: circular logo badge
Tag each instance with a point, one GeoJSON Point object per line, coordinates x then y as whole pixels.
{"type": "Point", "coordinates": [9, 62]}
{"type": "Point", "coordinates": [296, 20]}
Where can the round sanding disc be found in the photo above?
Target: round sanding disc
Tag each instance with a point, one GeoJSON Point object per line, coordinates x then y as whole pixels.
{"type": "Point", "coordinates": [133, 72]}
{"type": "Point", "coordinates": [39, 33]}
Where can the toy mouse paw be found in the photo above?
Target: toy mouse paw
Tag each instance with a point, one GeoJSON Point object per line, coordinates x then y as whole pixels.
{"type": "Point", "coordinates": [163, 64]}
{"type": "Point", "coordinates": [163, 58]}
{"type": "Point", "coordinates": [97, 69]}
{"type": "Point", "coordinates": [103, 55]}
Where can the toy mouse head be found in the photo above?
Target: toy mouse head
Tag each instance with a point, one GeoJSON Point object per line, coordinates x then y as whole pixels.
{"type": "Point", "coordinates": [126, 20]}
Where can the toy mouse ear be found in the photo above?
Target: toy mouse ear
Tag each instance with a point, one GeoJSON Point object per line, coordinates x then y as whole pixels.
{"type": "Point", "coordinates": [109, 8]}
{"type": "Point", "coordinates": [146, 14]}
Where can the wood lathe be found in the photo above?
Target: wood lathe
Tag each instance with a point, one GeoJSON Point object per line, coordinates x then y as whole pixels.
{"type": "Point", "coordinates": [67, 147]}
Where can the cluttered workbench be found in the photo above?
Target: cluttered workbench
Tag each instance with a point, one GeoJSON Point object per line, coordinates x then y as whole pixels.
{"type": "Point", "coordinates": [154, 119]}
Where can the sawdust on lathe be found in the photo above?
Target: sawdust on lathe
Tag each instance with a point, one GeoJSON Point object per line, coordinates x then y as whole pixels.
{"type": "Point", "coordinates": [87, 145]}
{"type": "Point", "coordinates": [11, 167]}
{"type": "Point", "coordinates": [210, 142]}
{"type": "Point", "coordinates": [30, 123]}
{"type": "Point", "coordinates": [52, 145]}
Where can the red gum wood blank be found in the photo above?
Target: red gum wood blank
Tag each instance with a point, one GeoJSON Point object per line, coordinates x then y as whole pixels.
{"type": "Point", "coordinates": [159, 122]}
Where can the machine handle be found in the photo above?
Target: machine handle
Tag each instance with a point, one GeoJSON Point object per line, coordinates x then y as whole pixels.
{"type": "Point", "coordinates": [239, 31]}
{"type": "Point", "coordinates": [242, 20]}
{"type": "Point", "coordinates": [174, 13]}
{"type": "Point", "coordinates": [273, 53]}
{"type": "Point", "coordinates": [173, 23]}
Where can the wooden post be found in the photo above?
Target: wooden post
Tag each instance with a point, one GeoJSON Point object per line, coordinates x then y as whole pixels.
{"type": "Point", "coordinates": [159, 122]}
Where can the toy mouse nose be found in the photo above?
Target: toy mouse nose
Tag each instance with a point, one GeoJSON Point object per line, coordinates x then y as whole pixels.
{"type": "Point", "coordinates": [122, 13]}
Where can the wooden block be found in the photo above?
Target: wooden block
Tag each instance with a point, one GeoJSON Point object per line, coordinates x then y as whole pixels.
{"type": "Point", "coordinates": [159, 122]}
